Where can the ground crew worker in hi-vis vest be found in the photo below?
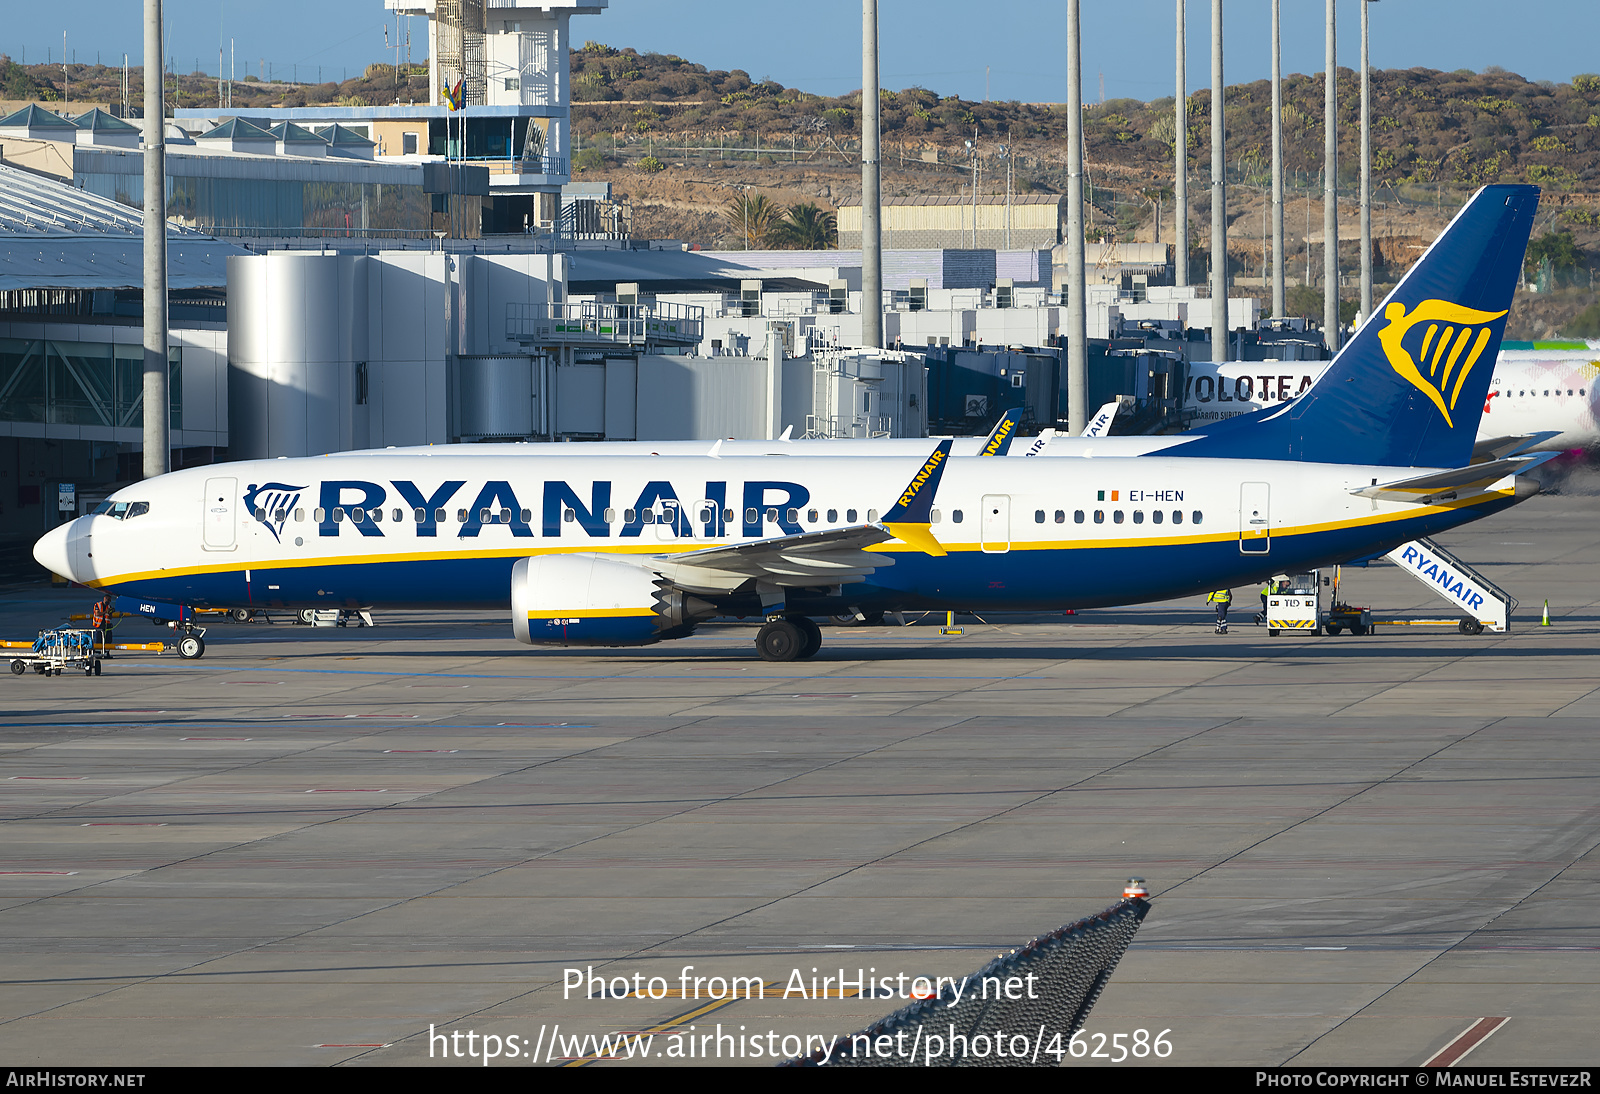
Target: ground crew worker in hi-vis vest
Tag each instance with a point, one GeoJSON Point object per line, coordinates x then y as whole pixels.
{"type": "Point", "coordinates": [1266, 591]}
{"type": "Point", "coordinates": [102, 619]}
{"type": "Point", "coordinates": [1221, 598]}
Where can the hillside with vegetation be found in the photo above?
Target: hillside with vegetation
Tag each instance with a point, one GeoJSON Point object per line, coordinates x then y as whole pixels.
{"type": "Point", "coordinates": [688, 145]}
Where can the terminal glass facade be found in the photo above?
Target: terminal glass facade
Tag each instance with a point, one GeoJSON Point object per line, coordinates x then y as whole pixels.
{"type": "Point", "coordinates": [275, 204]}
{"type": "Point", "coordinates": [80, 383]}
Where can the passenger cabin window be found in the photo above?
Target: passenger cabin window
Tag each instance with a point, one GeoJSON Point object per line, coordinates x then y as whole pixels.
{"type": "Point", "coordinates": [299, 516]}
{"type": "Point", "coordinates": [872, 516]}
{"type": "Point", "coordinates": [1155, 516]}
{"type": "Point", "coordinates": [338, 516]}
{"type": "Point", "coordinates": [461, 516]}
{"type": "Point", "coordinates": [1116, 516]}
{"type": "Point", "coordinates": [1138, 516]}
{"type": "Point", "coordinates": [956, 516]}
{"type": "Point", "coordinates": [609, 516]}
{"type": "Point", "coordinates": [1077, 516]}
{"type": "Point", "coordinates": [1061, 516]}
{"type": "Point", "coordinates": [751, 516]}
{"type": "Point", "coordinates": [1099, 516]}
{"type": "Point", "coordinates": [850, 516]}
{"type": "Point", "coordinates": [934, 516]}
{"type": "Point", "coordinates": [1038, 516]}
{"type": "Point", "coordinates": [1177, 516]}
{"type": "Point", "coordinates": [1196, 517]}
{"type": "Point", "coordinates": [833, 516]}
{"type": "Point", "coordinates": [811, 516]}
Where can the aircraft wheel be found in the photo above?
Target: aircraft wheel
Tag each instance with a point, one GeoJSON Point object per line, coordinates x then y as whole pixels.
{"type": "Point", "coordinates": [869, 619]}
{"type": "Point", "coordinates": [780, 640]}
{"type": "Point", "coordinates": [18, 668]}
{"type": "Point", "coordinates": [812, 634]}
{"type": "Point", "coordinates": [191, 646]}
{"type": "Point", "coordinates": [241, 615]}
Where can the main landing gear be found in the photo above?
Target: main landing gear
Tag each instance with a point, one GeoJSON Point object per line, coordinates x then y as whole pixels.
{"type": "Point", "coordinates": [792, 638]}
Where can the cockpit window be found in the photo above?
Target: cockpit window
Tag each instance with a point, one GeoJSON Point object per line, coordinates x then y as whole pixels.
{"type": "Point", "coordinates": [137, 509]}
{"type": "Point", "coordinates": [122, 510]}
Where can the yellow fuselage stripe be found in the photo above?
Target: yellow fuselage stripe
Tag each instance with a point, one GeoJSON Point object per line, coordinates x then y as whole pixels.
{"type": "Point", "coordinates": [682, 547]}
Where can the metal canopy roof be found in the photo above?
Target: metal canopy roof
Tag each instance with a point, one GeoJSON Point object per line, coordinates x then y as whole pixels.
{"type": "Point", "coordinates": [593, 271]}
{"type": "Point", "coordinates": [56, 236]}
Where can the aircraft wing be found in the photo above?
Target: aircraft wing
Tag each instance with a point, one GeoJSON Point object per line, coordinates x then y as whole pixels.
{"type": "Point", "coordinates": [828, 557]}
{"type": "Point", "coordinates": [1441, 485]}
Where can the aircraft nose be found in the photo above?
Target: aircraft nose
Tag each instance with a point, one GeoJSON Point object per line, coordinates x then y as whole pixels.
{"type": "Point", "coordinates": [53, 552]}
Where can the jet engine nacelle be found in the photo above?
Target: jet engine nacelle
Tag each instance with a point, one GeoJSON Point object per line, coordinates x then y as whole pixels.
{"type": "Point", "coordinates": [591, 600]}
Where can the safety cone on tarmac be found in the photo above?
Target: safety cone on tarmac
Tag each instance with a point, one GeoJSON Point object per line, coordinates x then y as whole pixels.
{"type": "Point", "coordinates": [1545, 622]}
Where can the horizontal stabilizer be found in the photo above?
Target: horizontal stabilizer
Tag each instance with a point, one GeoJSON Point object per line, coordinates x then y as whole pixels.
{"type": "Point", "coordinates": [1498, 448]}
{"type": "Point", "coordinates": [1443, 485]}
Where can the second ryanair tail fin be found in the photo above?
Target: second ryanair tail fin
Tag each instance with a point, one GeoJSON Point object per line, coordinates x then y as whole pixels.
{"type": "Point", "coordinates": [1409, 387]}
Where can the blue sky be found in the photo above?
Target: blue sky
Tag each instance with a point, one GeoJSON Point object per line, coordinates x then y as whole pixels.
{"type": "Point", "coordinates": [944, 45]}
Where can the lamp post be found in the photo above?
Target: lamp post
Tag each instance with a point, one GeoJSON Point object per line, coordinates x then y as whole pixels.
{"type": "Point", "coordinates": [1278, 306]}
{"type": "Point", "coordinates": [1180, 165]}
{"type": "Point", "coordinates": [1366, 170]}
{"type": "Point", "coordinates": [1330, 190]}
{"type": "Point", "coordinates": [157, 431]}
{"type": "Point", "coordinates": [1077, 309]}
{"type": "Point", "coordinates": [1219, 195]}
{"type": "Point", "coordinates": [871, 212]}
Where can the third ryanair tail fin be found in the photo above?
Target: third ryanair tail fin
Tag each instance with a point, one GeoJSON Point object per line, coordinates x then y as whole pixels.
{"type": "Point", "coordinates": [1409, 387]}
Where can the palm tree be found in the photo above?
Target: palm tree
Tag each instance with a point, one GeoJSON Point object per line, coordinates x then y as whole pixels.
{"type": "Point", "coordinates": [806, 227]}
{"type": "Point", "coordinates": [753, 219]}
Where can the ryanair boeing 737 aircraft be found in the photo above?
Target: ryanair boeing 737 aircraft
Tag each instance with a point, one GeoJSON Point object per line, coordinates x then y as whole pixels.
{"type": "Point", "coordinates": [618, 550]}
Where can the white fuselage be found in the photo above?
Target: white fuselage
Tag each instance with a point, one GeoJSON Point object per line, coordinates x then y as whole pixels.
{"type": "Point", "coordinates": [444, 526]}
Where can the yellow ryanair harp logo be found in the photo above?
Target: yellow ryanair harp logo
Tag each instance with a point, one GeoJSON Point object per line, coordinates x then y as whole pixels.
{"type": "Point", "coordinates": [1443, 360]}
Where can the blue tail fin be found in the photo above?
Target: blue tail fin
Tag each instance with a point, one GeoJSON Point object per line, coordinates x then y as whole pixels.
{"type": "Point", "coordinates": [1409, 388]}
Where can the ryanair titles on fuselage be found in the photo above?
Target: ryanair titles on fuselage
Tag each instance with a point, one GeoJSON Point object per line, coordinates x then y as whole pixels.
{"type": "Point", "coordinates": [496, 502]}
